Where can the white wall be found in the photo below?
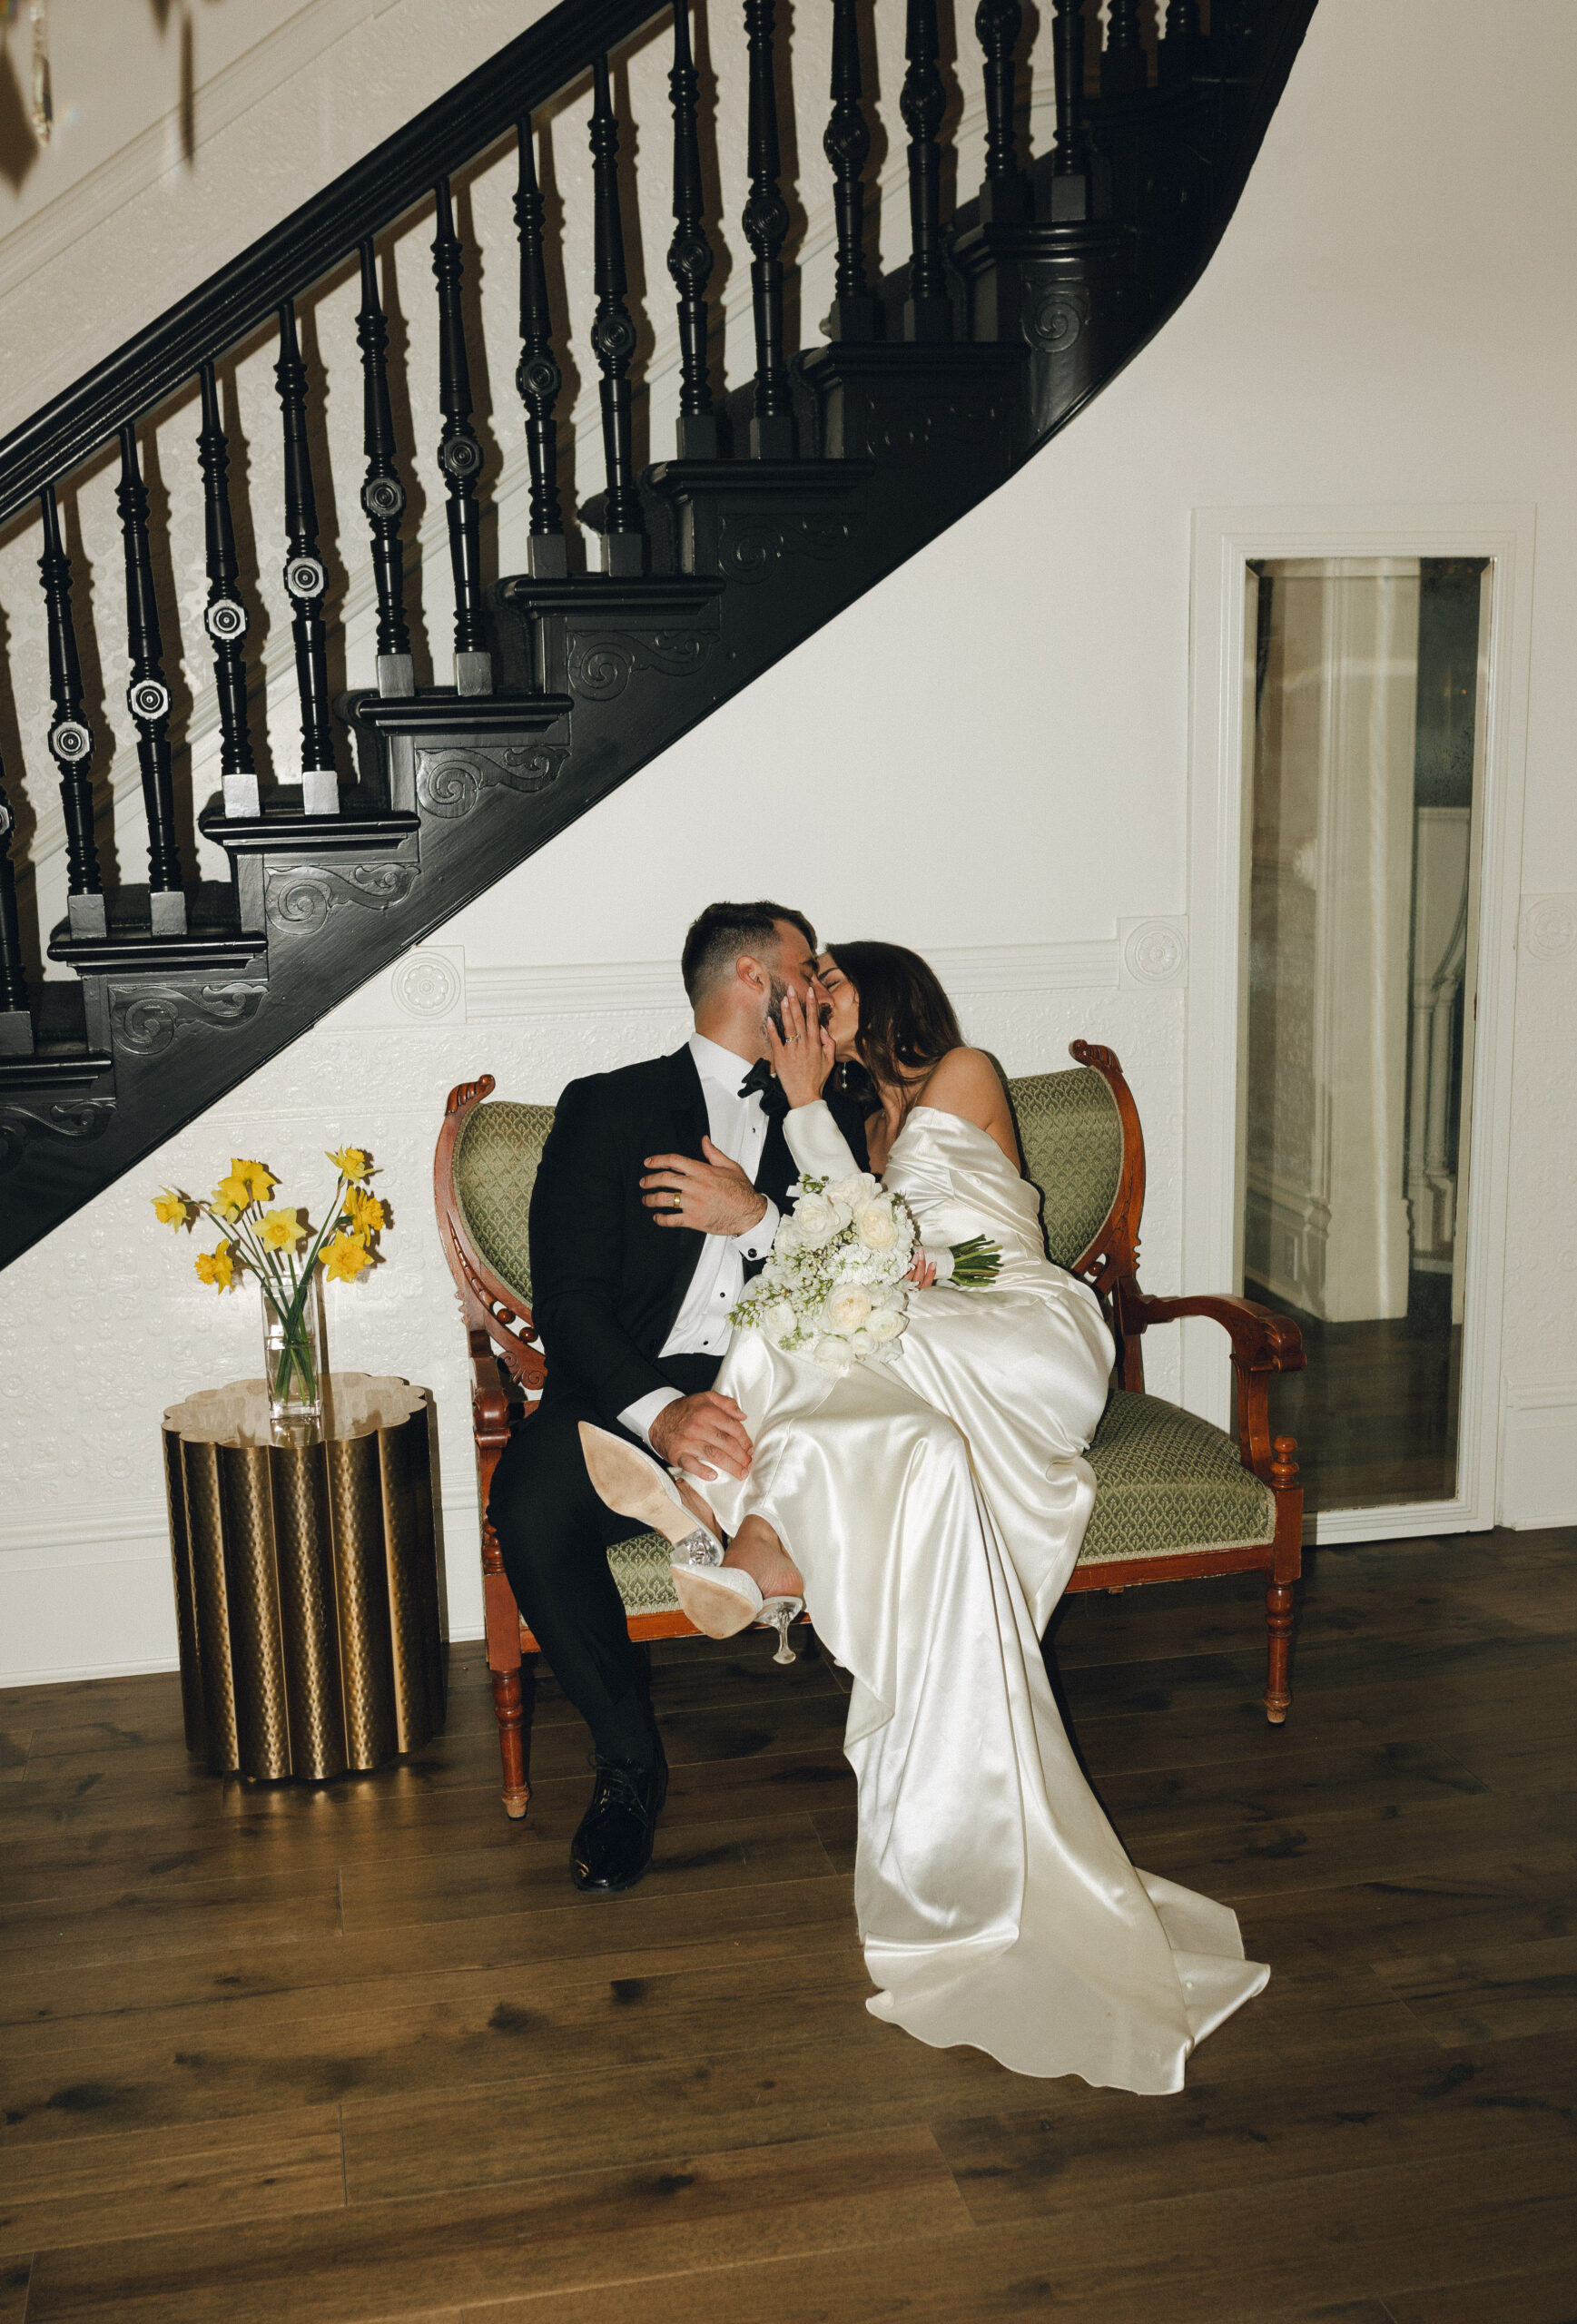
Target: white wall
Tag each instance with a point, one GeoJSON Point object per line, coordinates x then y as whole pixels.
{"type": "Point", "coordinates": [986, 757]}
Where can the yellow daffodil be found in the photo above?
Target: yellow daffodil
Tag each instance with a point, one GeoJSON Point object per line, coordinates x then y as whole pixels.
{"type": "Point", "coordinates": [352, 1162]}
{"type": "Point", "coordinates": [281, 1230]}
{"type": "Point", "coordinates": [217, 1267]}
{"type": "Point", "coordinates": [365, 1211]}
{"type": "Point", "coordinates": [169, 1208]}
{"type": "Point", "coordinates": [344, 1258]}
{"type": "Point", "coordinates": [256, 1176]}
{"type": "Point", "coordinates": [230, 1197]}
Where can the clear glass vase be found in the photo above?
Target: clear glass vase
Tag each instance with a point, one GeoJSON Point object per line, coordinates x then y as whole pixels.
{"type": "Point", "coordinates": [295, 1359]}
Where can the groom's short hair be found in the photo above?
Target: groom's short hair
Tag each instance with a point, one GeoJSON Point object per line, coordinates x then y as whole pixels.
{"type": "Point", "coordinates": [722, 933]}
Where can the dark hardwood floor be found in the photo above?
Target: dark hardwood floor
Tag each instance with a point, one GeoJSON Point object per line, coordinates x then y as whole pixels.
{"type": "Point", "coordinates": [328, 2056]}
{"type": "Point", "coordinates": [1375, 1413]}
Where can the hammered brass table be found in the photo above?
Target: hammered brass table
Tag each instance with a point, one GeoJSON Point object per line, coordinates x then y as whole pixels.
{"type": "Point", "coordinates": [306, 1580]}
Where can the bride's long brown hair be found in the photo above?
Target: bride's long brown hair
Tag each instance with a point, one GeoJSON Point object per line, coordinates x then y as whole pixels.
{"type": "Point", "coordinates": [907, 1023]}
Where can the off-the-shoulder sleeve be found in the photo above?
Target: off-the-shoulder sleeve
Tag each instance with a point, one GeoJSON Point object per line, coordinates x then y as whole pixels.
{"type": "Point", "coordinates": [817, 1143]}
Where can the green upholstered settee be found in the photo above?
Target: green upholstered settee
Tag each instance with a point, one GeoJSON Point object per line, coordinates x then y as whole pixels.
{"type": "Point", "coordinates": [1176, 1499]}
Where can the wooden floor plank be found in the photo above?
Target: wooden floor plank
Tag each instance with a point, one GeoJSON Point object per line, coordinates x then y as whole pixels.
{"type": "Point", "coordinates": [1548, 2296]}
{"type": "Point", "coordinates": [703, 2210]}
{"type": "Point", "coordinates": [1496, 1993]}
{"type": "Point", "coordinates": [1194, 2260]}
{"type": "Point", "coordinates": [148, 2181]}
{"type": "Point", "coordinates": [15, 2278]}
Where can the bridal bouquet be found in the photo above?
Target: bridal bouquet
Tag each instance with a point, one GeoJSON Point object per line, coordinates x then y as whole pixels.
{"type": "Point", "coordinates": [833, 1288]}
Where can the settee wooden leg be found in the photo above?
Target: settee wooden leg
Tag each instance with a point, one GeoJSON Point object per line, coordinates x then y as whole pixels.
{"type": "Point", "coordinates": [1278, 1623]}
{"type": "Point", "coordinates": [508, 1704]}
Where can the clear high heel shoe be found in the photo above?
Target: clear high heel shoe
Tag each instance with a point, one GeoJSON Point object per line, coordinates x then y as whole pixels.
{"type": "Point", "coordinates": [720, 1601]}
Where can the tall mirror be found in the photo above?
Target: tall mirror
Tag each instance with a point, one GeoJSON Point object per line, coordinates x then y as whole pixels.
{"type": "Point", "coordinates": [1368, 744]}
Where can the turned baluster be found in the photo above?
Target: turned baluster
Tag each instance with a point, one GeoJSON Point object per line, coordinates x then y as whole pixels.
{"type": "Point", "coordinates": [224, 617]}
{"type": "Point", "coordinates": [1005, 191]}
{"type": "Point", "coordinates": [461, 457]}
{"type": "Point", "coordinates": [1179, 49]}
{"type": "Point", "coordinates": [612, 340]}
{"type": "Point", "coordinates": [538, 376]}
{"type": "Point", "coordinates": [148, 698]}
{"type": "Point", "coordinates": [766, 222]}
{"type": "Point", "coordinates": [690, 253]}
{"type": "Point", "coordinates": [15, 1023]}
{"type": "Point", "coordinates": [71, 741]}
{"type": "Point", "coordinates": [927, 310]}
{"type": "Point", "coordinates": [1124, 68]}
{"type": "Point", "coordinates": [382, 493]}
{"type": "Point", "coordinates": [305, 580]}
{"type": "Point", "coordinates": [1071, 163]}
{"type": "Point", "coordinates": [847, 145]}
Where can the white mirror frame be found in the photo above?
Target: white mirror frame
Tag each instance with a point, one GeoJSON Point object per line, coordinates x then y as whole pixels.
{"type": "Point", "coordinates": [1221, 670]}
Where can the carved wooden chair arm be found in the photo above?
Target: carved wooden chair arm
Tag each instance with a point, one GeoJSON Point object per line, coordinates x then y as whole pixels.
{"type": "Point", "coordinates": [1261, 1341]}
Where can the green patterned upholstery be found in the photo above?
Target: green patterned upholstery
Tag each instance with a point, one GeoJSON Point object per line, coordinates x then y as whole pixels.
{"type": "Point", "coordinates": [1166, 1482]}
{"type": "Point", "coordinates": [495, 1159]}
{"type": "Point", "coordinates": [1072, 1139]}
{"type": "Point", "coordinates": [643, 1576]}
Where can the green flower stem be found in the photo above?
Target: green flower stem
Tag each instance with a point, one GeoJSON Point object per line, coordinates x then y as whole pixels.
{"type": "Point", "coordinates": [976, 1264]}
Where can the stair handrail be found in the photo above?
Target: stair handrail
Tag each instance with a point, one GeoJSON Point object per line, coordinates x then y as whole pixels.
{"type": "Point", "coordinates": [245, 293]}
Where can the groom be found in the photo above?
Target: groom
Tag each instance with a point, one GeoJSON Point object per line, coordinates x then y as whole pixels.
{"type": "Point", "coordinates": [657, 1198]}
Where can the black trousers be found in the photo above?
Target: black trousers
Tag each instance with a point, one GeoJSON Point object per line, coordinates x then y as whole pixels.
{"type": "Point", "coordinates": [555, 1535]}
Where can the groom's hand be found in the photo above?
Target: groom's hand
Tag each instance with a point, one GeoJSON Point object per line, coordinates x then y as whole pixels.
{"type": "Point", "coordinates": [715, 1195]}
{"type": "Point", "coordinates": [695, 1430]}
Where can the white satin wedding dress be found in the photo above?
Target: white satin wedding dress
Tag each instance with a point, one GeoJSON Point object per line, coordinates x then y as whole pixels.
{"type": "Point", "coordinates": [935, 1506]}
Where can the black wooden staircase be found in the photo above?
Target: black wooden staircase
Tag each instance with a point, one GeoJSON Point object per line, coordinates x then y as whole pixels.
{"type": "Point", "coordinates": [783, 504]}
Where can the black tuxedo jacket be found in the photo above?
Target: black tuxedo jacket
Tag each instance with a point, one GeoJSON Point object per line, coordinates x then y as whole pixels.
{"type": "Point", "coordinates": [606, 1280]}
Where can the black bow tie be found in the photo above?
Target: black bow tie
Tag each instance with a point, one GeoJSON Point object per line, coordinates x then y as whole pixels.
{"type": "Point", "coordinates": [761, 1082]}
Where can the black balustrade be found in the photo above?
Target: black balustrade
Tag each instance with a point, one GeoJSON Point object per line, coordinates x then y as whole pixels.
{"type": "Point", "coordinates": [1071, 163]}
{"type": "Point", "coordinates": [148, 699]}
{"type": "Point", "coordinates": [690, 253]}
{"type": "Point", "coordinates": [382, 493]}
{"type": "Point", "coordinates": [538, 376]}
{"type": "Point", "coordinates": [71, 741]}
{"type": "Point", "coordinates": [1179, 51]}
{"type": "Point", "coordinates": [459, 456]}
{"type": "Point", "coordinates": [846, 143]}
{"type": "Point", "coordinates": [928, 310]}
{"type": "Point", "coordinates": [305, 580]}
{"type": "Point", "coordinates": [224, 617]}
{"type": "Point", "coordinates": [1124, 67]}
{"type": "Point", "coordinates": [15, 1023]}
{"type": "Point", "coordinates": [1005, 190]}
{"type": "Point", "coordinates": [613, 341]}
{"type": "Point", "coordinates": [766, 223]}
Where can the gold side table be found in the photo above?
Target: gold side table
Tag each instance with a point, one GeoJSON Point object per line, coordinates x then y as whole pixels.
{"type": "Point", "coordinates": [306, 1580]}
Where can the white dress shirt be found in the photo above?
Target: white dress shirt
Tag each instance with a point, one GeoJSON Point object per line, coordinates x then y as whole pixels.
{"type": "Point", "coordinates": [738, 1126]}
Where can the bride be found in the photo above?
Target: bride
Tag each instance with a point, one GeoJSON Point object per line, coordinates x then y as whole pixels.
{"type": "Point", "coordinates": [928, 1512]}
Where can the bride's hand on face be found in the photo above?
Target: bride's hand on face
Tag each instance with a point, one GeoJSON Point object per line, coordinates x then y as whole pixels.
{"type": "Point", "coordinates": [801, 1057]}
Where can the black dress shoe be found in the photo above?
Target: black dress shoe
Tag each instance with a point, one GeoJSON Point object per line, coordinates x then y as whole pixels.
{"type": "Point", "coordinates": [614, 1845]}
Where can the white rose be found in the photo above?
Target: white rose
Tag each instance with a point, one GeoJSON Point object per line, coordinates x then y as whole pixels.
{"type": "Point", "coordinates": [849, 1193]}
{"type": "Point", "coordinates": [833, 1354]}
{"type": "Point", "coordinates": [875, 1224]}
{"type": "Point", "coordinates": [785, 1243]}
{"type": "Point", "coordinates": [862, 1342]}
{"type": "Point", "coordinates": [846, 1308]}
{"type": "Point", "coordinates": [779, 1321]}
{"type": "Point", "coordinates": [884, 1324]}
{"type": "Point", "coordinates": [816, 1221]}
